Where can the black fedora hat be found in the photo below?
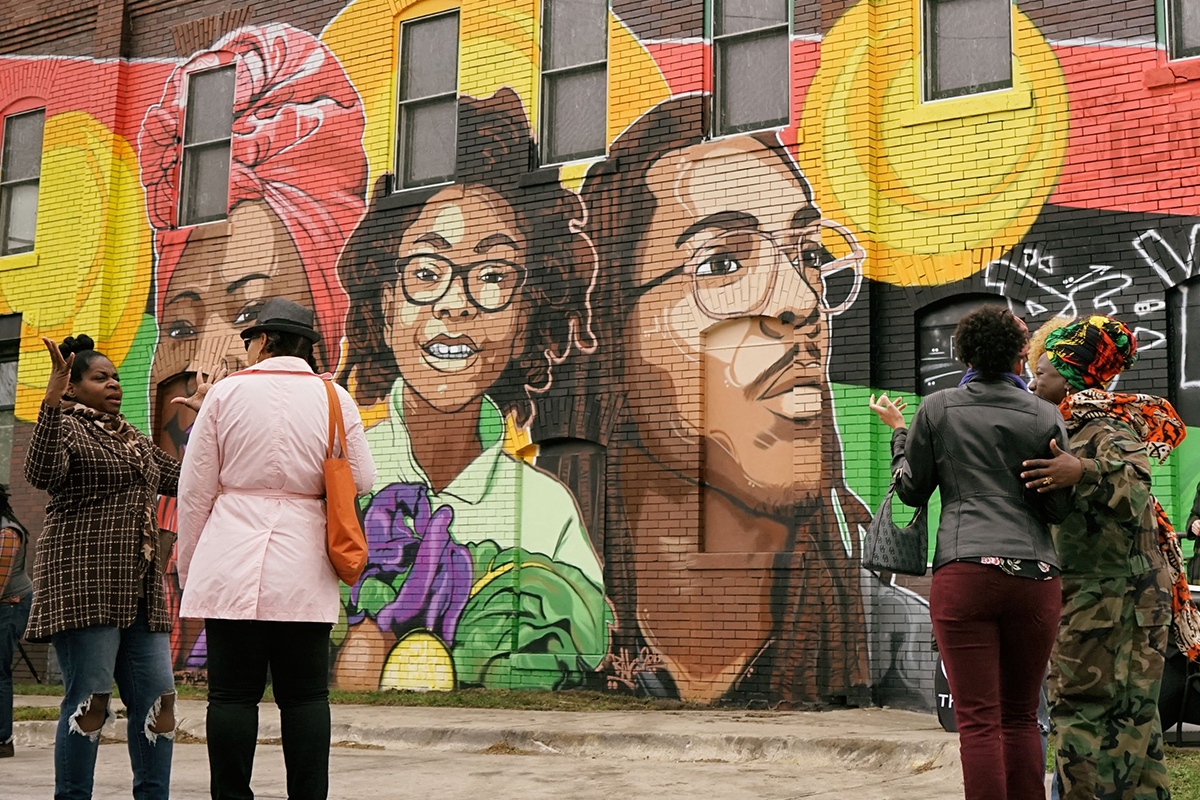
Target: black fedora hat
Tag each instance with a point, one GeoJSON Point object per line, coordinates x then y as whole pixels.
{"type": "Point", "coordinates": [284, 316]}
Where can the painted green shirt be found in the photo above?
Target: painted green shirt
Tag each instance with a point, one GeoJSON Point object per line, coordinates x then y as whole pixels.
{"type": "Point", "coordinates": [537, 616]}
{"type": "Point", "coordinates": [496, 498]}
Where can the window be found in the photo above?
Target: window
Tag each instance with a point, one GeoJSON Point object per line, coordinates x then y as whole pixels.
{"type": "Point", "coordinates": [428, 114]}
{"type": "Point", "coordinates": [208, 126]}
{"type": "Point", "coordinates": [751, 61]}
{"type": "Point", "coordinates": [937, 366]}
{"type": "Point", "coordinates": [968, 47]}
{"type": "Point", "coordinates": [574, 79]}
{"type": "Point", "coordinates": [20, 173]}
{"type": "Point", "coordinates": [10, 343]}
{"type": "Point", "coordinates": [1183, 28]}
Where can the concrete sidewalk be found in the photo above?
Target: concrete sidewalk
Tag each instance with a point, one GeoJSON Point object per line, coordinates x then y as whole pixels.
{"type": "Point", "coordinates": [873, 739]}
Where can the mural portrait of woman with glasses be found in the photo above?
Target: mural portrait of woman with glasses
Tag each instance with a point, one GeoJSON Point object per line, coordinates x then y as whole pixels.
{"type": "Point", "coordinates": [722, 279]}
{"type": "Point", "coordinates": [461, 306]}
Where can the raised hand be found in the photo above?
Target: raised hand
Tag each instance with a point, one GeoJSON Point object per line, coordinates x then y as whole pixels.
{"type": "Point", "coordinates": [891, 412]}
{"type": "Point", "coordinates": [1060, 471]}
{"type": "Point", "coordinates": [60, 372]}
{"type": "Point", "coordinates": [204, 383]}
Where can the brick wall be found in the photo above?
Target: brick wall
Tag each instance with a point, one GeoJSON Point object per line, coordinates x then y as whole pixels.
{"type": "Point", "coordinates": [645, 487]}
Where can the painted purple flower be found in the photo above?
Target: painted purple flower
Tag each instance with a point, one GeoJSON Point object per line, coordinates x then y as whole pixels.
{"type": "Point", "coordinates": [409, 548]}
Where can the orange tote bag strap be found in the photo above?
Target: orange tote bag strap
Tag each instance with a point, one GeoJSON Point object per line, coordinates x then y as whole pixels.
{"type": "Point", "coordinates": [344, 539]}
{"type": "Point", "coordinates": [337, 424]}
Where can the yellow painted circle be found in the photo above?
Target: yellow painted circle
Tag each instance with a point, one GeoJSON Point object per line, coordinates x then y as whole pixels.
{"type": "Point", "coordinates": [935, 190]}
{"type": "Point", "coordinates": [85, 277]}
{"type": "Point", "coordinates": [419, 662]}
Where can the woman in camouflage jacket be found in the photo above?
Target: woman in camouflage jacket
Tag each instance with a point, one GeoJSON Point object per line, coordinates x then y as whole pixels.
{"type": "Point", "coordinates": [1107, 666]}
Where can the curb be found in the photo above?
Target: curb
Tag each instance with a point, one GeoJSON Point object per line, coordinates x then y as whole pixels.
{"type": "Point", "coordinates": [859, 753]}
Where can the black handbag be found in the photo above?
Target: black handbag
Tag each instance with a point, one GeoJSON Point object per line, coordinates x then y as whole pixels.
{"type": "Point", "coordinates": [889, 547]}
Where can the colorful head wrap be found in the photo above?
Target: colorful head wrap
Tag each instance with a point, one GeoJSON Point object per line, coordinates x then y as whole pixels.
{"type": "Point", "coordinates": [1091, 352]}
{"type": "Point", "coordinates": [1037, 340]}
{"type": "Point", "coordinates": [297, 145]}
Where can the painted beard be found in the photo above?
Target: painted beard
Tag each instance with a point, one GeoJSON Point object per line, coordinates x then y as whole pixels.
{"type": "Point", "coordinates": [780, 501]}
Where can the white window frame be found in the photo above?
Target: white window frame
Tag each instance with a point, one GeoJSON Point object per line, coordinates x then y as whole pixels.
{"type": "Point", "coordinates": [185, 218]}
{"type": "Point", "coordinates": [398, 139]}
{"type": "Point", "coordinates": [548, 75]}
{"type": "Point", "coordinates": [7, 185]}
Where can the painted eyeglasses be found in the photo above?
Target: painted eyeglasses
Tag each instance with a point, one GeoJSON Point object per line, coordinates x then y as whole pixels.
{"type": "Point", "coordinates": [734, 274]}
{"type": "Point", "coordinates": [425, 279]}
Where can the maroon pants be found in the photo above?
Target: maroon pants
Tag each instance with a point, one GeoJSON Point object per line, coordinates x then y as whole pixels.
{"type": "Point", "coordinates": [995, 633]}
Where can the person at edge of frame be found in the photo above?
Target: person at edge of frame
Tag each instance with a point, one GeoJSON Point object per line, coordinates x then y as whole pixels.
{"type": "Point", "coordinates": [1107, 666]}
{"type": "Point", "coordinates": [16, 596]}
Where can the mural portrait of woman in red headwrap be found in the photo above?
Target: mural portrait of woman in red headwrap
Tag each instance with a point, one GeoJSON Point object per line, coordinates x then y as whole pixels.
{"type": "Point", "coordinates": [297, 180]}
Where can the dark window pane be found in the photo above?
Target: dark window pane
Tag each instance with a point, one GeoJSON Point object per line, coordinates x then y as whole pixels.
{"type": "Point", "coordinates": [428, 142]}
{"type": "Point", "coordinates": [8, 421]}
{"type": "Point", "coordinates": [18, 216]}
{"type": "Point", "coordinates": [971, 45]}
{"type": "Point", "coordinates": [205, 183]}
{"type": "Point", "coordinates": [1185, 27]}
{"type": "Point", "coordinates": [576, 32]}
{"type": "Point", "coordinates": [8, 384]}
{"type": "Point", "coordinates": [429, 53]}
{"type": "Point", "coordinates": [752, 81]}
{"type": "Point", "coordinates": [210, 106]}
{"type": "Point", "coordinates": [575, 103]}
{"type": "Point", "coordinates": [936, 365]}
{"type": "Point", "coordinates": [22, 158]}
{"type": "Point", "coordinates": [736, 16]}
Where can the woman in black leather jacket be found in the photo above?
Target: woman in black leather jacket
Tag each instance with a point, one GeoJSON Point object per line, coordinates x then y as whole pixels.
{"type": "Point", "coordinates": [996, 595]}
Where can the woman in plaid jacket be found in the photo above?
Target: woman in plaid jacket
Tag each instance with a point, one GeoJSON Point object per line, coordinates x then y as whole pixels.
{"type": "Point", "coordinates": [99, 570]}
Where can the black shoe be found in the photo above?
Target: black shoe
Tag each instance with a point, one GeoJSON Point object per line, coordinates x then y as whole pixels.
{"type": "Point", "coordinates": [6, 749]}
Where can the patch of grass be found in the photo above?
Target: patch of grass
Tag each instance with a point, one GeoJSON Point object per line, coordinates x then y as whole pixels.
{"type": "Point", "coordinates": [35, 713]}
{"type": "Point", "coordinates": [39, 689]}
{"type": "Point", "coordinates": [1184, 765]}
{"type": "Point", "coordinates": [520, 699]}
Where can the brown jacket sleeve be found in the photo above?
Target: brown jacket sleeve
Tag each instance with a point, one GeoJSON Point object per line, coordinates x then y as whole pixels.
{"type": "Point", "coordinates": [49, 456]}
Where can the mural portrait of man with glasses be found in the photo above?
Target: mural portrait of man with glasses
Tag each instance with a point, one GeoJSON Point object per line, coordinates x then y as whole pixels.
{"type": "Point", "coordinates": [720, 279]}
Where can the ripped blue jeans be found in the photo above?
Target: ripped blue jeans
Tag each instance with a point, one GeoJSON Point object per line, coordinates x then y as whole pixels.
{"type": "Point", "coordinates": [139, 660]}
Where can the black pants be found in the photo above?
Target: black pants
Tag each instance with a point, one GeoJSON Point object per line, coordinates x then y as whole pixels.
{"type": "Point", "coordinates": [239, 652]}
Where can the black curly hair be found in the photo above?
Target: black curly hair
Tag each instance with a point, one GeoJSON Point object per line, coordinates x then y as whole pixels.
{"type": "Point", "coordinates": [84, 350]}
{"type": "Point", "coordinates": [495, 143]}
{"type": "Point", "coordinates": [990, 340]}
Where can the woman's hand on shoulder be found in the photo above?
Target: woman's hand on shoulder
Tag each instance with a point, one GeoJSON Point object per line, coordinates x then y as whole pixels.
{"type": "Point", "coordinates": [206, 381]}
{"type": "Point", "coordinates": [60, 373]}
{"type": "Point", "coordinates": [890, 412]}
{"type": "Point", "coordinates": [1060, 471]}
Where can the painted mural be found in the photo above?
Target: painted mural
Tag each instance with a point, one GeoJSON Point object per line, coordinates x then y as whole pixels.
{"type": "Point", "coordinates": [617, 406]}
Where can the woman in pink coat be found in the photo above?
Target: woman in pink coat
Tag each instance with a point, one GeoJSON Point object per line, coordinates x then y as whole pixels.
{"type": "Point", "coordinates": [252, 559]}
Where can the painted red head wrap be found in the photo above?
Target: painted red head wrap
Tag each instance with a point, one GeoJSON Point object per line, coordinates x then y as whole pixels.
{"type": "Point", "coordinates": [297, 145]}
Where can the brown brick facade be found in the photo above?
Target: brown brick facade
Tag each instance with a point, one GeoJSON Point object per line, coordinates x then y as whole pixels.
{"type": "Point", "coordinates": [627, 445]}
